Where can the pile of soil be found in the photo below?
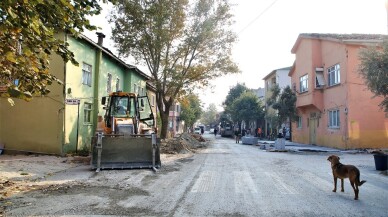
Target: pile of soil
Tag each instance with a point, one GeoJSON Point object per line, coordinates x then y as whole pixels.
{"type": "Point", "coordinates": [198, 137]}
{"type": "Point", "coordinates": [182, 144]}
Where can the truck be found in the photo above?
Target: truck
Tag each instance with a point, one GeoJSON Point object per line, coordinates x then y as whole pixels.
{"type": "Point", "coordinates": [125, 137]}
{"type": "Point", "coordinates": [226, 129]}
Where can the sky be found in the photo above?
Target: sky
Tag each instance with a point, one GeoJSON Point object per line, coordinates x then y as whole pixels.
{"type": "Point", "coordinates": [267, 31]}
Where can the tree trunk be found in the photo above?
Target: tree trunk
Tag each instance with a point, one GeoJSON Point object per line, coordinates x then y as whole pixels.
{"type": "Point", "coordinates": [164, 117]}
{"type": "Point", "coordinates": [164, 111]}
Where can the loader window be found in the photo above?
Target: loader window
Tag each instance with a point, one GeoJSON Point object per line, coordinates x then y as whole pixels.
{"type": "Point", "coordinates": [145, 111]}
{"type": "Point", "coordinates": [122, 107]}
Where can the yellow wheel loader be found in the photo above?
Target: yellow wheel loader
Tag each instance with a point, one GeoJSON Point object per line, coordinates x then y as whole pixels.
{"type": "Point", "coordinates": [125, 137]}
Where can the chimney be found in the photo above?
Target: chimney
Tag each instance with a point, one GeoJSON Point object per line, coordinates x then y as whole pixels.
{"type": "Point", "coordinates": [101, 37]}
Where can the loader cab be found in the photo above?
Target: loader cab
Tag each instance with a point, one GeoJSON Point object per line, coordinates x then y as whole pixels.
{"type": "Point", "coordinates": [127, 110]}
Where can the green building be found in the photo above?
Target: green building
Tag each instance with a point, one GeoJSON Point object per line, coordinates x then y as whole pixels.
{"type": "Point", "coordinates": [65, 120]}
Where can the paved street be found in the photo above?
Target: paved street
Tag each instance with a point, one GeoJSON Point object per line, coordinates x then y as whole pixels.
{"type": "Point", "coordinates": [230, 179]}
{"type": "Point", "coordinates": [226, 179]}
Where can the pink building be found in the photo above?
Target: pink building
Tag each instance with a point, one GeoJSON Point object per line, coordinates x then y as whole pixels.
{"type": "Point", "coordinates": [334, 106]}
{"type": "Point", "coordinates": [175, 125]}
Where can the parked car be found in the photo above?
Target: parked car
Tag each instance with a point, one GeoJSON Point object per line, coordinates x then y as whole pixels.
{"type": "Point", "coordinates": [197, 130]}
{"type": "Point", "coordinates": [211, 130]}
{"type": "Point", "coordinates": [287, 136]}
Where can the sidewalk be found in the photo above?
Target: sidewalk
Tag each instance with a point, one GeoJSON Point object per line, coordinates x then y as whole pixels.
{"type": "Point", "coordinates": [299, 147]}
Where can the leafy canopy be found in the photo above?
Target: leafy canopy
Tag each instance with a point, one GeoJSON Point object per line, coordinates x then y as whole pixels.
{"type": "Point", "coordinates": [27, 35]}
{"type": "Point", "coordinates": [285, 104]}
{"type": "Point", "coordinates": [185, 44]}
{"type": "Point", "coordinates": [190, 109]}
{"type": "Point", "coordinates": [247, 107]}
{"type": "Point", "coordinates": [233, 94]}
{"type": "Point", "coordinates": [209, 116]}
{"type": "Point", "coordinates": [374, 69]}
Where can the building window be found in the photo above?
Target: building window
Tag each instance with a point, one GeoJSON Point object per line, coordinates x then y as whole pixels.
{"type": "Point", "coordinates": [170, 123]}
{"type": "Point", "coordinates": [304, 86]}
{"type": "Point", "coordinates": [87, 113]}
{"type": "Point", "coordinates": [334, 75]}
{"type": "Point", "coordinates": [273, 81]}
{"type": "Point", "coordinates": [334, 119]}
{"type": "Point", "coordinates": [299, 123]}
{"type": "Point", "coordinates": [153, 100]}
{"type": "Point", "coordinates": [87, 74]}
{"type": "Point", "coordinates": [117, 84]}
{"type": "Point", "coordinates": [109, 83]}
{"type": "Point", "coordinates": [134, 88]}
{"type": "Point", "coordinates": [319, 78]}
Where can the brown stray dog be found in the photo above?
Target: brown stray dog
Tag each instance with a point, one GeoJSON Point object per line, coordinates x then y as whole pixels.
{"type": "Point", "coordinates": [345, 171]}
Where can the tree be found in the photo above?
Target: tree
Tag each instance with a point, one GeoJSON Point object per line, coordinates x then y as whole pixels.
{"type": "Point", "coordinates": [209, 116]}
{"type": "Point", "coordinates": [183, 45]}
{"type": "Point", "coordinates": [27, 35]}
{"type": "Point", "coordinates": [374, 69]}
{"type": "Point", "coordinates": [190, 109]}
{"type": "Point", "coordinates": [234, 93]}
{"type": "Point", "coordinates": [247, 107]}
{"type": "Point", "coordinates": [284, 102]}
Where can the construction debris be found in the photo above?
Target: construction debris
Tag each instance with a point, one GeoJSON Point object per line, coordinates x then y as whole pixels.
{"type": "Point", "coordinates": [182, 144]}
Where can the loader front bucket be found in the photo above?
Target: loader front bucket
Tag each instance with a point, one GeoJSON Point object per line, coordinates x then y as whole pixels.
{"type": "Point", "coordinates": [121, 152]}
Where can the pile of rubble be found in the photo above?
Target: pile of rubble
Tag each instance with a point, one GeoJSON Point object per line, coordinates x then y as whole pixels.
{"type": "Point", "coordinates": [182, 144]}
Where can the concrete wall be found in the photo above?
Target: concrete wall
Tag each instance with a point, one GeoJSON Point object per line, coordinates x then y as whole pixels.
{"type": "Point", "coordinates": [282, 78]}
{"type": "Point", "coordinates": [362, 123]}
{"type": "Point", "coordinates": [85, 52]}
{"type": "Point", "coordinates": [35, 126]}
{"type": "Point", "coordinates": [74, 116]}
{"type": "Point", "coordinates": [49, 125]}
{"type": "Point", "coordinates": [367, 124]}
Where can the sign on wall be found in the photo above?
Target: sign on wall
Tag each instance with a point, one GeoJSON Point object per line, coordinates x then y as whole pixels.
{"type": "Point", "coordinates": [72, 101]}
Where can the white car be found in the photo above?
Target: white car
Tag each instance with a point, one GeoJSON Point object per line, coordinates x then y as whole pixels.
{"type": "Point", "coordinates": [197, 130]}
{"type": "Point", "coordinates": [211, 130]}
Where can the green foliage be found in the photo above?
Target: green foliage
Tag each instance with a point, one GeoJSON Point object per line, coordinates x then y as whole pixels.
{"type": "Point", "coordinates": [247, 107]}
{"type": "Point", "coordinates": [272, 119]}
{"type": "Point", "coordinates": [184, 44]}
{"type": "Point", "coordinates": [190, 109]}
{"type": "Point", "coordinates": [27, 35]}
{"type": "Point", "coordinates": [209, 116]}
{"type": "Point", "coordinates": [234, 93]}
{"type": "Point", "coordinates": [285, 104]}
{"type": "Point", "coordinates": [374, 69]}
{"type": "Point", "coordinates": [225, 117]}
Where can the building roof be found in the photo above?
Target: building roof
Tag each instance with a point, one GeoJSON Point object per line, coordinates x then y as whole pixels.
{"type": "Point", "coordinates": [151, 86]}
{"type": "Point", "coordinates": [274, 71]}
{"type": "Point", "coordinates": [341, 38]}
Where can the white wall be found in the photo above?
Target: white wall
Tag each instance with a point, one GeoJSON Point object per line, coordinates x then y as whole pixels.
{"type": "Point", "coordinates": [282, 78]}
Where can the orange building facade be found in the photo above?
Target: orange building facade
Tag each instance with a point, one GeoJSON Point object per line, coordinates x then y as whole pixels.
{"type": "Point", "coordinates": [335, 108]}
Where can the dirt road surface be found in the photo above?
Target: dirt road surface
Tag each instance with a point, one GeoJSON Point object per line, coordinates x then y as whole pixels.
{"type": "Point", "coordinates": [225, 179]}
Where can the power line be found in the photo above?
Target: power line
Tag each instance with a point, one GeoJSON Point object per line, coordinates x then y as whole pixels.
{"type": "Point", "coordinates": [256, 18]}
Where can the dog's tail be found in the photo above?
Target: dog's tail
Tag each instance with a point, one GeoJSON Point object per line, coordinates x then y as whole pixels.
{"type": "Point", "coordinates": [359, 183]}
